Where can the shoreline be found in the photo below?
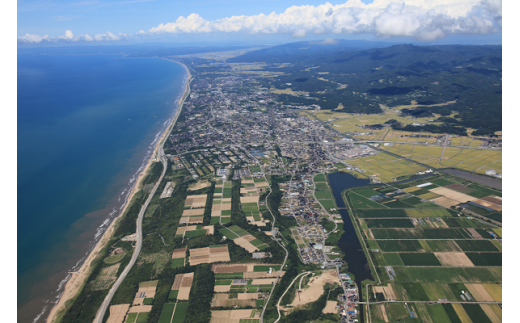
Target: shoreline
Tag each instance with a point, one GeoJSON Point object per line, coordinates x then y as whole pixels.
{"type": "Point", "coordinates": [75, 283]}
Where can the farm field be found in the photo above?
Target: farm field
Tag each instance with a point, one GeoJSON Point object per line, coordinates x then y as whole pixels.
{"type": "Point", "coordinates": [384, 167]}
{"type": "Point", "coordinates": [429, 254]}
{"type": "Point", "coordinates": [474, 160]}
{"type": "Point", "coordinates": [242, 238]}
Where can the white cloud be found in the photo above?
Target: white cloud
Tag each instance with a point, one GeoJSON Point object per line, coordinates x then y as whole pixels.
{"type": "Point", "coordinates": [420, 19]}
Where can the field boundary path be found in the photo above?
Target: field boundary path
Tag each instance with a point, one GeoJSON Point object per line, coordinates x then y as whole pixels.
{"type": "Point", "coordinates": [160, 153]}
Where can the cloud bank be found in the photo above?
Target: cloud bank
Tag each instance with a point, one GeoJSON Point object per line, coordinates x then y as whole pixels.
{"type": "Point", "coordinates": [421, 19]}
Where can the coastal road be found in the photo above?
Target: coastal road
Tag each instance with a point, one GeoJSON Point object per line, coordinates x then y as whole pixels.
{"type": "Point", "coordinates": [139, 230]}
{"type": "Point", "coordinates": [137, 250]}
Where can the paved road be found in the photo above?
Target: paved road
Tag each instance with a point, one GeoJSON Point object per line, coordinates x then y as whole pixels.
{"type": "Point", "coordinates": [281, 245]}
{"type": "Point", "coordinates": [139, 231]}
{"type": "Point", "coordinates": [108, 298]}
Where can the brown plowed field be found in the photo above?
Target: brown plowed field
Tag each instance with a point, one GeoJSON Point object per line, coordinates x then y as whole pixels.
{"type": "Point", "coordinates": [218, 250]}
{"type": "Point", "coordinates": [460, 188]}
{"type": "Point", "coordinates": [451, 194]}
{"type": "Point", "coordinates": [117, 313]}
{"type": "Point", "coordinates": [140, 309]}
{"type": "Point", "coordinates": [196, 219]}
{"type": "Point", "coordinates": [479, 293]}
{"type": "Point", "coordinates": [177, 282]}
{"type": "Point", "coordinates": [229, 268]}
{"type": "Point", "coordinates": [457, 259]}
{"type": "Point", "coordinates": [493, 199]}
{"type": "Point", "coordinates": [446, 202]}
{"type": "Point", "coordinates": [222, 288]}
{"type": "Point", "coordinates": [488, 204]}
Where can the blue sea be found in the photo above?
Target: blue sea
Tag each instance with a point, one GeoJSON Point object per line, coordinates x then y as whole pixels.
{"type": "Point", "coordinates": [86, 125]}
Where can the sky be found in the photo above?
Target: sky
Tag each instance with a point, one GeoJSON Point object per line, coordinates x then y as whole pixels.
{"type": "Point", "coordinates": [90, 21]}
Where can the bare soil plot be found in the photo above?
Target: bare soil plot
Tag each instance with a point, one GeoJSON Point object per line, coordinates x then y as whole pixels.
{"type": "Point", "coordinates": [229, 268]}
{"type": "Point", "coordinates": [248, 295]}
{"type": "Point", "coordinates": [196, 219]}
{"type": "Point", "coordinates": [215, 207]}
{"type": "Point", "coordinates": [222, 288]}
{"type": "Point", "coordinates": [184, 220]}
{"type": "Point", "coordinates": [140, 309]}
{"type": "Point", "coordinates": [183, 283]}
{"type": "Point", "coordinates": [209, 255]}
{"type": "Point", "coordinates": [479, 293]}
{"type": "Point", "coordinates": [451, 194]}
{"type": "Point", "coordinates": [490, 313]}
{"type": "Point", "coordinates": [446, 202]}
{"type": "Point", "coordinates": [147, 289]}
{"type": "Point", "coordinates": [253, 275]}
{"type": "Point", "coordinates": [456, 259]}
{"type": "Point", "coordinates": [226, 207]}
{"type": "Point", "coordinates": [224, 301]}
{"type": "Point", "coordinates": [488, 204]}
{"type": "Point", "coordinates": [315, 289]}
{"type": "Point", "coordinates": [389, 292]}
{"type": "Point", "coordinates": [262, 184]}
{"type": "Point", "coordinates": [244, 243]}
{"type": "Point", "coordinates": [382, 312]}
{"type": "Point", "coordinates": [117, 313]}
{"type": "Point", "coordinates": [493, 199]}
{"type": "Point", "coordinates": [495, 291]}
{"type": "Point", "coordinates": [249, 199]}
{"type": "Point", "coordinates": [460, 188]}
{"type": "Point", "coordinates": [264, 281]}
{"type": "Point", "coordinates": [232, 316]}
{"type": "Point", "coordinates": [192, 212]}
{"type": "Point", "coordinates": [195, 260]}
{"type": "Point", "coordinates": [199, 185]}
{"type": "Point", "coordinates": [330, 308]}
{"type": "Point", "coordinates": [474, 233]}
{"type": "Point", "coordinates": [198, 204]}
{"type": "Point", "coordinates": [106, 277]}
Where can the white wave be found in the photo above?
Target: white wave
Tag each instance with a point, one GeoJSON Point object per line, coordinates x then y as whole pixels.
{"type": "Point", "coordinates": [39, 315]}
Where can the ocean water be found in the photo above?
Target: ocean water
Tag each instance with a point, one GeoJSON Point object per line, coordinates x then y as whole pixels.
{"type": "Point", "coordinates": [86, 124]}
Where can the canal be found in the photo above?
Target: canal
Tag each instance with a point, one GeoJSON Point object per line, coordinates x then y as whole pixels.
{"type": "Point", "coordinates": [349, 243]}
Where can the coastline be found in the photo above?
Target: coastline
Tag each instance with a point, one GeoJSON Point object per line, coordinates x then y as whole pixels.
{"type": "Point", "coordinates": [75, 283]}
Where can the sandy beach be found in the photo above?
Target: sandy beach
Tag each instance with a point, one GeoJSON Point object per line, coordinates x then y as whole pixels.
{"type": "Point", "coordinates": [75, 283]}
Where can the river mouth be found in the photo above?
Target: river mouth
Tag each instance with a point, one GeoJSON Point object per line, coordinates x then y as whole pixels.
{"type": "Point", "coordinates": [349, 242]}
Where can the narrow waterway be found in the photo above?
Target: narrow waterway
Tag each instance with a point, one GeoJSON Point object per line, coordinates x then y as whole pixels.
{"type": "Point", "coordinates": [349, 243]}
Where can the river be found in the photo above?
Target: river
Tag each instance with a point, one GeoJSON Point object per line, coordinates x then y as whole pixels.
{"type": "Point", "coordinates": [349, 243]}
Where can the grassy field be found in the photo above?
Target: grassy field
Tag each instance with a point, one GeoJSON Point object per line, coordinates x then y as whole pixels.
{"type": "Point", "coordinates": [476, 245]}
{"type": "Point", "coordinates": [474, 160]}
{"type": "Point", "coordinates": [359, 202]}
{"type": "Point", "coordinates": [419, 259]}
{"type": "Point", "coordinates": [382, 213]}
{"type": "Point", "coordinates": [399, 245]}
{"type": "Point", "coordinates": [384, 167]}
{"type": "Point", "coordinates": [320, 178]}
{"type": "Point", "coordinates": [178, 262]}
{"type": "Point", "coordinates": [166, 313]}
{"type": "Point", "coordinates": [180, 312]}
{"type": "Point", "coordinates": [389, 223]}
